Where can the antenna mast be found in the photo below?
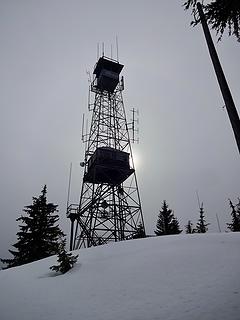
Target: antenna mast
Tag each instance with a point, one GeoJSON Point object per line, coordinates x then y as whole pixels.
{"type": "Point", "coordinates": [117, 46]}
{"type": "Point", "coordinates": [198, 199]}
{"type": "Point", "coordinates": [69, 184]}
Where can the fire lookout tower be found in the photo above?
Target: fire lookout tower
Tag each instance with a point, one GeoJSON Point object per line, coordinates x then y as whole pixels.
{"type": "Point", "coordinates": [109, 207]}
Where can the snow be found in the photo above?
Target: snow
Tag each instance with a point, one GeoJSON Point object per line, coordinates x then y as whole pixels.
{"type": "Point", "coordinates": [170, 277]}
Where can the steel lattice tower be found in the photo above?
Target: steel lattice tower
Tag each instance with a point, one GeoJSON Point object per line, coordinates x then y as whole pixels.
{"type": "Point", "coordinates": [109, 207]}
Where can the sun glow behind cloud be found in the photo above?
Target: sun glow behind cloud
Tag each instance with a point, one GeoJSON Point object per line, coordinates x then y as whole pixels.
{"type": "Point", "coordinates": [136, 160]}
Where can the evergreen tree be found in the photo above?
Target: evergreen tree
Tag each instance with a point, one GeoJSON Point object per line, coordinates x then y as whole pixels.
{"type": "Point", "coordinates": [166, 222]}
{"type": "Point", "coordinates": [189, 227]}
{"type": "Point", "coordinates": [140, 232]}
{"type": "Point", "coordinates": [175, 227]}
{"type": "Point", "coordinates": [201, 226]}
{"type": "Point", "coordinates": [220, 14]}
{"type": "Point", "coordinates": [66, 260]}
{"type": "Point", "coordinates": [235, 225]}
{"type": "Point", "coordinates": [38, 235]}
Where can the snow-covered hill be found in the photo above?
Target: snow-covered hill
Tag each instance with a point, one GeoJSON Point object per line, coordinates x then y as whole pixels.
{"type": "Point", "coordinates": [187, 277]}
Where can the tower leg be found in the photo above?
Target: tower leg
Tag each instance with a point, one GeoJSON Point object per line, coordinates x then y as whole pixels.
{"type": "Point", "coordinates": [71, 234]}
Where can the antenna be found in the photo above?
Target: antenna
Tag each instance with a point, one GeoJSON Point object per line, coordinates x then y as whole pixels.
{"type": "Point", "coordinates": [97, 50]}
{"type": "Point", "coordinates": [86, 139]}
{"type": "Point", "coordinates": [218, 223]}
{"type": "Point", "coordinates": [83, 127]}
{"type": "Point", "coordinates": [133, 124]}
{"type": "Point", "coordinates": [198, 199]}
{"type": "Point", "coordinates": [69, 185]}
{"type": "Point", "coordinates": [117, 46]}
{"type": "Point", "coordinates": [84, 130]}
{"type": "Point", "coordinates": [103, 49]}
{"type": "Point", "coordinates": [89, 103]}
{"type": "Point", "coordinates": [111, 51]}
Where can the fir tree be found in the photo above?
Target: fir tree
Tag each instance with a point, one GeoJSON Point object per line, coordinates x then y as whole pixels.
{"type": "Point", "coordinates": [38, 235]}
{"type": "Point", "coordinates": [235, 225]}
{"type": "Point", "coordinates": [189, 227]}
{"type": "Point", "coordinates": [166, 222]}
{"type": "Point", "coordinates": [66, 260]}
{"type": "Point", "coordinates": [220, 14]}
{"type": "Point", "coordinates": [140, 232]}
{"type": "Point", "coordinates": [175, 228]}
{"type": "Point", "coordinates": [201, 226]}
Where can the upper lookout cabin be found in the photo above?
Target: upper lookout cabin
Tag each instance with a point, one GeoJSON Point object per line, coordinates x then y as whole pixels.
{"type": "Point", "coordinates": [107, 74]}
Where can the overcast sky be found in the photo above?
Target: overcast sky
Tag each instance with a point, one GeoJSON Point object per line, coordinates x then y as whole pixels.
{"type": "Point", "coordinates": [186, 142]}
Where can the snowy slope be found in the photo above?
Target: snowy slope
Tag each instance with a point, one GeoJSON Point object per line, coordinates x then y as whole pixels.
{"type": "Point", "coordinates": [171, 277]}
